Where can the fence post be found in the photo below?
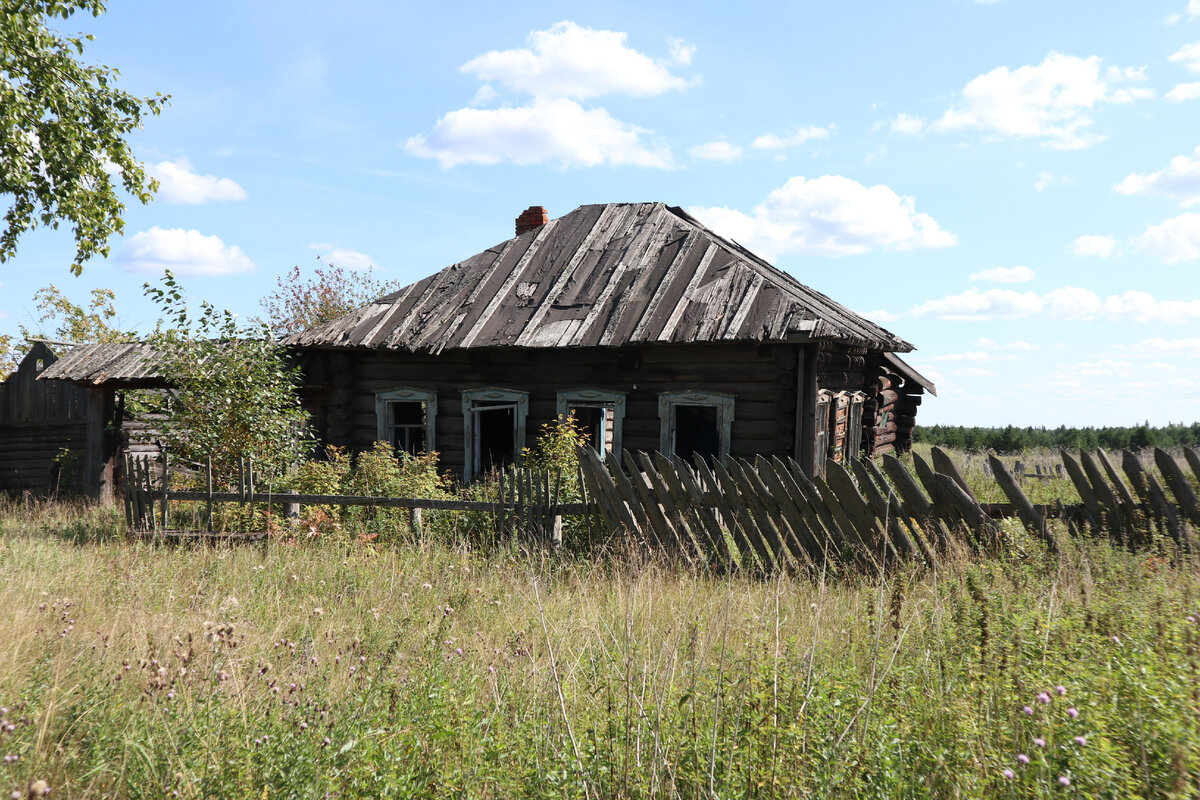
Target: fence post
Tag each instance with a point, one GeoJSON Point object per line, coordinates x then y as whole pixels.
{"type": "Point", "coordinates": [414, 520]}
{"type": "Point", "coordinates": [291, 511]}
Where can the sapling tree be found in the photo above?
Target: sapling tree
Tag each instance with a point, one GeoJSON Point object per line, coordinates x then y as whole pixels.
{"type": "Point", "coordinates": [232, 392]}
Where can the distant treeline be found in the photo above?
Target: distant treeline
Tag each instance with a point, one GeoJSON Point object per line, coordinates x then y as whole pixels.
{"type": "Point", "coordinates": [1012, 439]}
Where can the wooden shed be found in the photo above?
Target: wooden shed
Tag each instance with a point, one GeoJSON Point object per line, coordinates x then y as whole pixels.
{"type": "Point", "coordinates": [43, 428]}
{"type": "Point", "coordinates": [657, 333]}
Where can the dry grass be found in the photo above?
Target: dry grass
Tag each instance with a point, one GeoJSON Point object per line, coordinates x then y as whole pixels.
{"type": "Point", "coordinates": [426, 670]}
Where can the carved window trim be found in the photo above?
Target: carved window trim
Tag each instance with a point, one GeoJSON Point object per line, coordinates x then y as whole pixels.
{"type": "Point", "coordinates": [597, 398]}
{"type": "Point", "coordinates": [471, 398]}
{"type": "Point", "coordinates": [405, 394]}
{"type": "Point", "coordinates": [669, 401]}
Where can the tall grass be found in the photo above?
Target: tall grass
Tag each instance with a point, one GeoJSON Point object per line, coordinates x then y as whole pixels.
{"type": "Point", "coordinates": [335, 668]}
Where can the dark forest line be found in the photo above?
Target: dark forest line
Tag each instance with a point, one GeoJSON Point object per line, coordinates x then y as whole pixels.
{"type": "Point", "coordinates": [1013, 439]}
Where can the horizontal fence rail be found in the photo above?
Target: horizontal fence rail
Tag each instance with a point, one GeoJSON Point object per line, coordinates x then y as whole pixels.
{"type": "Point", "coordinates": [766, 515]}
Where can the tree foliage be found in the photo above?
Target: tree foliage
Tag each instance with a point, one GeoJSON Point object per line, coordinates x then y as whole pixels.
{"type": "Point", "coordinates": [297, 305]}
{"type": "Point", "coordinates": [74, 323]}
{"type": "Point", "coordinates": [63, 131]}
{"type": "Point", "coordinates": [1011, 439]}
{"type": "Point", "coordinates": [232, 394]}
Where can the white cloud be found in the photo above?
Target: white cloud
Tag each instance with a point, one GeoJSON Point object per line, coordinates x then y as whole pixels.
{"type": "Point", "coordinates": [716, 151]}
{"type": "Point", "coordinates": [569, 60]}
{"type": "Point", "coordinates": [975, 372]}
{"type": "Point", "coordinates": [1176, 239]}
{"type": "Point", "coordinates": [1179, 179]}
{"type": "Point", "coordinates": [1044, 179]}
{"type": "Point", "coordinates": [1004, 275]}
{"type": "Point", "coordinates": [1193, 8]}
{"type": "Point", "coordinates": [1161, 347]}
{"type": "Point", "coordinates": [1067, 303]}
{"type": "Point", "coordinates": [178, 184]}
{"type": "Point", "coordinates": [829, 216]}
{"type": "Point", "coordinates": [1188, 56]}
{"type": "Point", "coordinates": [880, 315]}
{"type": "Point", "coordinates": [549, 131]}
{"type": "Point", "coordinates": [342, 257]}
{"type": "Point", "coordinates": [1098, 246]}
{"type": "Point", "coordinates": [907, 124]}
{"type": "Point", "coordinates": [1184, 92]}
{"type": "Point", "coordinates": [184, 252]}
{"type": "Point", "coordinates": [992, 344]}
{"type": "Point", "coordinates": [976, 305]}
{"type": "Point", "coordinates": [770, 141]}
{"type": "Point", "coordinates": [1050, 101]}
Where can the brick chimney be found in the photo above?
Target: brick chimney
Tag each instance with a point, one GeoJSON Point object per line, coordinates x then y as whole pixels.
{"type": "Point", "coordinates": [532, 217]}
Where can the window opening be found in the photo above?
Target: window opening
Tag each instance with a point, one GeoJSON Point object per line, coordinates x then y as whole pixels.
{"type": "Point", "coordinates": [696, 424]}
{"type": "Point", "coordinates": [494, 429]}
{"type": "Point", "coordinates": [821, 434]}
{"type": "Point", "coordinates": [406, 420]}
{"type": "Point", "coordinates": [597, 413]}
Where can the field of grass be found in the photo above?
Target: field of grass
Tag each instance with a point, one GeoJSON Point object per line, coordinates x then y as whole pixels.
{"type": "Point", "coordinates": [420, 669]}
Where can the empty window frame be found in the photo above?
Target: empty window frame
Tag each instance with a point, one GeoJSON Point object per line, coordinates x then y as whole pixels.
{"type": "Point", "coordinates": [407, 419]}
{"type": "Point", "coordinates": [821, 444]}
{"type": "Point", "coordinates": [854, 430]}
{"type": "Point", "coordinates": [600, 414]}
{"type": "Point", "coordinates": [493, 429]}
{"type": "Point", "coordinates": [695, 423]}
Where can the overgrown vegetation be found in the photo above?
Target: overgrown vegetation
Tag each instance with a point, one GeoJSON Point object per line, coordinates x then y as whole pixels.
{"type": "Point", "coordinates": [361, 670]}
{"type": "Point", "coordinates": [232, 394]}
{"type": "Point", "coordinates": [297, 304]}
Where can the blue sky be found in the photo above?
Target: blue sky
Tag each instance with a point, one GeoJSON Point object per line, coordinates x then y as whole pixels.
{"type": "Point", "coordinates": [1012, 186]}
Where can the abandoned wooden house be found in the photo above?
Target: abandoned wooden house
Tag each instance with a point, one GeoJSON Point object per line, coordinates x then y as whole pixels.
{"type": "Point", "coordinates": [655, 332]}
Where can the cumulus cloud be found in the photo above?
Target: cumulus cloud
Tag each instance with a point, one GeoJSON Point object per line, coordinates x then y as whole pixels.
{"type": "Point", "coordinates": [179, 184]}
{"type": "Point", "coordinates": [829, 216]}
{"type": "Point", "coordinates": [1193, 9]}
{"type": "Point", "coordinates": [1176, 239]}
{"type": "Point", "coordinates": [1180, 179]}
{"type": "Point", "coordinates": [1184, 92]}
{"type": "Point", "coordinates": [770, 141]}
{"type": "Point", "coordinates": [1004, 275]}
{"type": "Point", "coordinates": [976, 356]}
{"type": "Point", "coordinates": [550, 131]}
{"type": "Point", "coordinates": [1098, 246]}
{"type": "Point", "coordinates": [1051, 101]}
{"type": "Point", "coordinates": [561, 66]}
{"type": "Point", "coordinates": [907, 124]}
{"type": "Point", "coordinates": [716, 151]}
{"type": "Point", "coordinates": [1067, 303]}
{"type": "Point", "coordinates": [1187, 56]}
{"type": "Point", "coordinates": [574, 61]}
{"type": "Point", "coordinates": [184, 252]}
{"type": "Point", "coordinates": [342, 257]}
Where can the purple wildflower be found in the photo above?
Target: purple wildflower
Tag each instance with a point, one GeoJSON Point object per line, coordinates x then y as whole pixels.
{"type": "Point", "coordinates": [1072, 712]}
{"type": "Point", "coordinates": [1040, 742]}
{"type": "Point", "coordinates": [1009, 774]}
{"type": "Point", "coordinates": [1081, 740]}
{"type": "Point", "coordinates": [1043, 698]}
{"type": "Point", "coordinates": [1062, 691]}
{"type": "Point", "coordinates": [1028, 710]}
{"type": "Point", "coordinates": [1064, 780]}
{"type": "Point", "coordinates": [1022, 758]}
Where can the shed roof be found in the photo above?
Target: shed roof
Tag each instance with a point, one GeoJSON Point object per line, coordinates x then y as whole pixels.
{"type": "Point", "coordinates": [127, 364]}
{"type": "Point", "coordinates": [603, 275]}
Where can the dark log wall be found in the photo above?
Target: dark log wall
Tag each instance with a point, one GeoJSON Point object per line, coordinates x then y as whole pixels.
{"type": "Point", "coordinates": [761, 377]}
{"type": "Point", "coordinates": [43, 427]}
{"type": "Point", "coordinates": [891, 407]}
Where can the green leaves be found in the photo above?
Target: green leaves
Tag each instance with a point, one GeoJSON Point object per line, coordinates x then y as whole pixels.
{"type": "Point", "coordinates": [233, 395]}
{"type": "Point", "coordinates": [63, 131]}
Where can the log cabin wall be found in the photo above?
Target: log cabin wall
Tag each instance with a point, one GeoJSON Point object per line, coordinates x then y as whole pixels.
{"type": "Point", "coordinates": [761, 377]}
{"type": "Point", "coordinates": [891, 407]}
{"type": "Point", "coordinates": [43, 428]}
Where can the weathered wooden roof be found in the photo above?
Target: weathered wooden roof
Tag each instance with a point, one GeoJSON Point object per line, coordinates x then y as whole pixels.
{"type": "Point", "coordinates": [110, 364]}
{"type": "Point", "coordinates": [910, 374]}
{"type": "Point", "coordinates": [603, 275]}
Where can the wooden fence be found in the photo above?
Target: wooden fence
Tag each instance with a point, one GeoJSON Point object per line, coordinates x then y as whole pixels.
{"type": "Point", "coordinates": [767, 515]}
{"type": "Point", "coordinates": [527, 504]}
